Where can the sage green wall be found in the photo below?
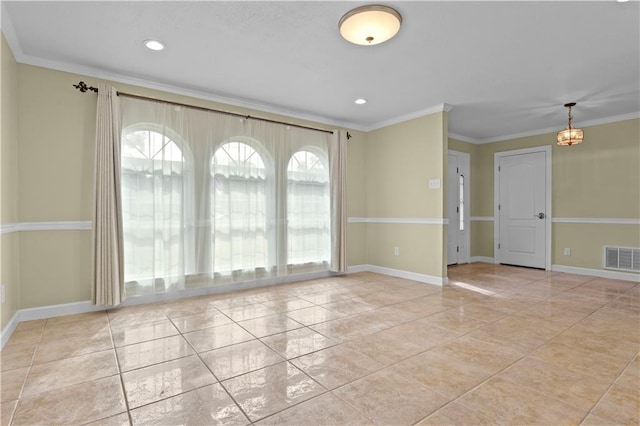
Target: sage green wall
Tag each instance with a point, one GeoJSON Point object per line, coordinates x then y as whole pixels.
{"type": "Point", "coordinates": [482, 239]}
{"type": "Point", "coordinates": [56, 127]}
{"type": "Point", "coordinates": [401, 159]}
{"type": "Point", "coordinates": [596, 179]}
{"type": "Point", "coordinates": [9, 246]}
{"type": "Point", "coordinates": [599, 178]}
{"type": "Point", "coordinates": [357, 198]}
{"type": "Point", "coordinates": [55, 267]}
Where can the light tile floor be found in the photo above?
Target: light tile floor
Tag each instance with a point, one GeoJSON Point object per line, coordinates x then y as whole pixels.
{"type": "Point", "coordinates": [499, 345]}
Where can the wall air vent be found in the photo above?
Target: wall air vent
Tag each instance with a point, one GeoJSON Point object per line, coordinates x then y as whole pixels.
{"type": "Point", "coordinates": [622, 258]}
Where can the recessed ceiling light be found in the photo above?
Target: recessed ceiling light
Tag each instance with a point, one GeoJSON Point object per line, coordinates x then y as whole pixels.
{"type": "Point", "coordinates": [360, 101]}
{"type": "Point", "coordinates": [622, 1]}
{"type": "Point", "coordinates": [154, 44]}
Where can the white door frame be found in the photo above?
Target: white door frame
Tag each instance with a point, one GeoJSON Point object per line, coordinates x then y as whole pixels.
{"type": "Point", "coordinates": [465, 158]}
{"type": "Point", "coordinates": [496, 194]}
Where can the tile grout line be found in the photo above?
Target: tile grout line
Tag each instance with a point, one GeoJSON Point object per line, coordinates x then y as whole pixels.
{"type": "Point", "coordinates": [465, 334]}
{"type": "Point", "coordinates": [565, 328]}
{"type": "Point", "coordinates": [26, 376]}
{"type": "Point", "coordinates": [197, 353]}
{"type": "Point", "coordinates": [115, 353]}
{"type": "Point", "coordinates": [284, 360]}
{"type": "Point", "coordinates": [606, 392]}
{"type": "Point", "coordinates": [531, 352]}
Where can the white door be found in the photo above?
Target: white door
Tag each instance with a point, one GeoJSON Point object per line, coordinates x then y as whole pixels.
{"type": "Point", "coordinates": [522, 209]}
{"type": "Point", "coordinates": [458, 194]}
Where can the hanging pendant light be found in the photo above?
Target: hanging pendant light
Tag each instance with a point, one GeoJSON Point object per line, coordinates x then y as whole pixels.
{"type": "Point", "coordinates": [570, 135]}
{"type": "Point", "coordinates": [369, 25]}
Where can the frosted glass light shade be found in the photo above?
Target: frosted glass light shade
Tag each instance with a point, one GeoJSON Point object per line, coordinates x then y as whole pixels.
{"type": "Point", "coordinates": [570, 136]}
{"type": "Point", "coordinates": [370, 25]}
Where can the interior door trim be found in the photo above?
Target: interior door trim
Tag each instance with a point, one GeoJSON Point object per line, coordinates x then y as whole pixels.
{"type": "Point", "coordinates": [546, 149]}
{"type": "Point", "coordinates": [465, 158]}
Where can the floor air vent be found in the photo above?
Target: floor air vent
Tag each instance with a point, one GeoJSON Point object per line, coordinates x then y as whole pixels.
{"type": "Point", "coordinates": [622, 258]}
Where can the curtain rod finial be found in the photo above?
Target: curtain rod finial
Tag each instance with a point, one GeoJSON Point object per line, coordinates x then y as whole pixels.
{"type": "Point", "coordinates": [82, 86]}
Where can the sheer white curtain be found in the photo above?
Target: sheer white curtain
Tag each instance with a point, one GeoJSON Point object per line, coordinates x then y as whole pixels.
{"type": "Point", "coordinates": [215, 199]}
{"type": "Point", "coordinates": [238, 197]}
{"type": "Point", "coordinates": [308, 209]}
{"type": "Point", "coordinates": [157, 198]}
{"type": "Point", "coordinates": [108, 268]}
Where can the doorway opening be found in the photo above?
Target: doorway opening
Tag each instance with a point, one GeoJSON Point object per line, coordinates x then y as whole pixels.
{"type": "Point", "coordinates": [458, 207]}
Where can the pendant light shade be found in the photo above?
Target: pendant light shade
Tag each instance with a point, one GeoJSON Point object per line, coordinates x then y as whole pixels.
{"type": "Point", "coordinates": [370, 25]}
{"type": "Point", "coordinates": [570, 135]}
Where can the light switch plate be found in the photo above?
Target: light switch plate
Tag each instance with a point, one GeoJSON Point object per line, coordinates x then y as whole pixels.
{"type": "Point", "coordinates": [434, 184]}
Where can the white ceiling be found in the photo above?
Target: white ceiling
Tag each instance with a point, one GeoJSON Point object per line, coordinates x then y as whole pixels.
{"type": "Point", "coordinates": [505, 67]}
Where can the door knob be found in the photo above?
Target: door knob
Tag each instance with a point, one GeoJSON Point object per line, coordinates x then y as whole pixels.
{"type": "Point", "coordinates": [540, 215]}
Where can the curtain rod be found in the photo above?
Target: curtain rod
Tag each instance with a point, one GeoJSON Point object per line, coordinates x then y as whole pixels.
{"type": "Point", "coordinates": [82, 86]}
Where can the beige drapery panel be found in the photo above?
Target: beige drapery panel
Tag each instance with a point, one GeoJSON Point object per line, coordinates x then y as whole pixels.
{"type": "Point", "coordinates": [108, 272]}
{"type": "Point", "coordinates": [338, 164]}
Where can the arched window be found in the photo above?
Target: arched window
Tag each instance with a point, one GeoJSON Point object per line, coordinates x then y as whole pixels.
{"type": "Point", "coordinates": [155, 206]}
{"type": "Point", "coordinates": [308, 210]}
{"type": "Point", "coordinates": [238, 208]}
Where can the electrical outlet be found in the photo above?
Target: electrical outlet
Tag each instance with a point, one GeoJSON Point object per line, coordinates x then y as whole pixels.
{"type": "Point", "coordinates": [567, 252]}
{"type": "Point", "coordinates": [396, 251]}
{"type": "Point", "coordinates": [2, 294]}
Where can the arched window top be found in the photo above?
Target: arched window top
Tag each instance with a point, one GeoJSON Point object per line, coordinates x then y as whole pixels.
{"type": "Point", "coordinates": [237, 159]}
{"type": "Point", "coordinates": [307, 166]}
{"type": "Point", "coordinates": [150, 145]}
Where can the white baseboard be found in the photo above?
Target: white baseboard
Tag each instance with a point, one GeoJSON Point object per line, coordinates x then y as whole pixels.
{"type": "Point", "coordinates": [51, 311]}
{"type": "Point", "coordinates": [42, 312]}
{"type": "Point", "coordinates": [423, 278]}
{"type": "Point", "coordinates": [357, 268]}
{"type": "Point", "coordinates": [8, 330]}
{"type": "Point", "coordinates": [601, 273]}
{"type": "Point", "coordinates": [484, 259]}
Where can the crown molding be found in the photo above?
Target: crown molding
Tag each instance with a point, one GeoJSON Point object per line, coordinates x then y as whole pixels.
{"type": "Point", "coordinates": [9, 31]}
{"type": "Point", "coordinates": [238, 102]}
{"type": "Point", "coordinates": [464, 138]}
{"type": "Point", "coordinates": [86, 71]}
{"type": "Point", "coordinates": [555, 129]}
{"type": "Point", "coordinates": [7, 27]}
{"type": "Point", "coordinates": [197, 94]}
{"type": "Point", "coordinates": [443, 107]}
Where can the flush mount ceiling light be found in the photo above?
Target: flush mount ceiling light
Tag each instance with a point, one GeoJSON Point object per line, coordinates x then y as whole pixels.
{"type": "Point", "coordinates": [369, 25]}
{"type": "Point", "coordinates": [570, 135]}
{"type": "Point", "coordinates": [361, 101]}
{"type": "Point", "coordinates": [154, 44]}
